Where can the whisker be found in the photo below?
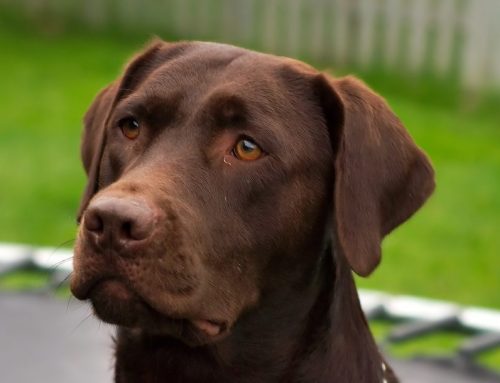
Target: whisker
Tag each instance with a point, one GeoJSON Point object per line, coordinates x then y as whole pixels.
{"type": "Point", "coordinates": [69, 302]}
{"type": "Point", "coordinates": [56, 265]}
{"type": "Point", "coordinates": [81, 322]}
{"type": "Point", "coordinates": [59, 247]}
{"type": "Point", "coordinates": [64, 281]}
{"type": "Point", "coordinates": [64, 244]}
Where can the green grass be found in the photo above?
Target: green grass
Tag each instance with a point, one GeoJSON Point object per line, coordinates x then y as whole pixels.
{"type": "Point", "coordinates": [449, 250]}
{"type": "Point", "coordinates": [436, 344]}
{"type": "Point", "coordinates": [24, 280]}
{"type": "Point", "coordinates": [32, 279]}
{"type": "Point", "coordinates": [440, 344]}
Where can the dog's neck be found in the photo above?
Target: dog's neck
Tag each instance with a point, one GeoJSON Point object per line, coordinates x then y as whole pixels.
{"type": "Point", "coordinates": [317, 335]}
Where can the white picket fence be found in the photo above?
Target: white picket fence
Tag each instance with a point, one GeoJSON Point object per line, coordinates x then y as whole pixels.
{"type": "Point", "coordinates": [445, 38]}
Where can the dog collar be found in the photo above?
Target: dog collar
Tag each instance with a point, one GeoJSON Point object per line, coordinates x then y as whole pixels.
{"type": "Point", "coordinates": [384, 369]}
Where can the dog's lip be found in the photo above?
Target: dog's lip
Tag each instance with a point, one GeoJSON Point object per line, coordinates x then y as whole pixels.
{"type": "Point", "coordinates": [117, 288]}
{"type": "Point", "coordinates": [210, 328]}
{"type": "Point", "coordinates": [81, 289]}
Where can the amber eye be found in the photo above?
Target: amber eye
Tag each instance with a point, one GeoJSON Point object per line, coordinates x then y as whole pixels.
{"type": "Point", "coordinates": [130, 128]}
{"type": "Point", "coordinates": [247, 150]}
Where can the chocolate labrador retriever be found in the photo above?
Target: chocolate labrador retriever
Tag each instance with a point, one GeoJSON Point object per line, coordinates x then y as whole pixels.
{"type": "Point", "coordinates": [230, 196]}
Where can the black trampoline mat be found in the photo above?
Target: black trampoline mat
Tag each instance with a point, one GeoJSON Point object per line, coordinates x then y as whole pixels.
{"type": "Point", "coordinates": [45, 339]}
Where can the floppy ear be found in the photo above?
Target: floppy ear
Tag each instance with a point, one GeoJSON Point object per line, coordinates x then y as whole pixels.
{"type": "Point", "coordinates": [93, 141]}
{"type": "Point", "coordinates": [95, 120]}
{"type": "Point", "coordinates": [381, 176]}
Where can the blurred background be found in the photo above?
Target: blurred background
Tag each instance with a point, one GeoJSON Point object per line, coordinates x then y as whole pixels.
{"type": "Point", "coordinates": [436, 61]}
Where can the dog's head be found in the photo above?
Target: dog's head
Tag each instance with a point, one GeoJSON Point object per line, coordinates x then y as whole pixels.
{"type": "Point", "coordinates": [217, 176]}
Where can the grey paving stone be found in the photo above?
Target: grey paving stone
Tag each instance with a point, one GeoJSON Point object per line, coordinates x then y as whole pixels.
{"type": "Point", "coordinates": [44, 340]}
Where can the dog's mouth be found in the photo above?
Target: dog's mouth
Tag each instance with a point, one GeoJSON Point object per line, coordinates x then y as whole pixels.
{"type": "Point", "coordinates": [115, 302]}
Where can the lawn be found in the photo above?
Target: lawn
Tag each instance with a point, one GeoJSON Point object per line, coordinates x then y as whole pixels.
{"type": "Point", "coordinates": [449, 250]}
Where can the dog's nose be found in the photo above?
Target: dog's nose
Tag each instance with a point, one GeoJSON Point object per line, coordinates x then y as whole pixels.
{"type": "Point", "coordinates": [119, 220]}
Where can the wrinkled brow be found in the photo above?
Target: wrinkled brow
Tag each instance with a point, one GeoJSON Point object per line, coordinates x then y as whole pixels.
{"type": "Point", "coordinates": [156, 109]}
{"type": "Point", "coordinates": [226, 109]}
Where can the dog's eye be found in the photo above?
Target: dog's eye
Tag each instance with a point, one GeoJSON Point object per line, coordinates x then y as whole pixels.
{"type": "Point", "coordinates": [130, 128]}
{"type": "Point", "coordinates": [247, 150]}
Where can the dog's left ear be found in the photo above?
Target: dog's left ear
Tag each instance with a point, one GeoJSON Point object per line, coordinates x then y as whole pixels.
{"type": "Point", "coordinates": [381, 176]}
{"type": "Point", "coordinates": [96, 118]}
{"type": "Point", "coordinates": [93, 141]}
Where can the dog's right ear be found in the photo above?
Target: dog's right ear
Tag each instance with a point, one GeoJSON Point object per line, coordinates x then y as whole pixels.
{"type": "Point", "coordinates": [96, 118]}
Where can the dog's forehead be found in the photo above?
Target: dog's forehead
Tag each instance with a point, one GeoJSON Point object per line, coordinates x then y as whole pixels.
{"type": "Point", "coordinates": [200, 67]}
{"type": "Point", "coordinates": [210, 58]}
{"type": "Point", "coordinates": [224, 83]}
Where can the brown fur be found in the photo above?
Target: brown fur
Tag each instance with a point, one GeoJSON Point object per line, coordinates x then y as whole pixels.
{"type": "Point", "coordinates": [175, 229]}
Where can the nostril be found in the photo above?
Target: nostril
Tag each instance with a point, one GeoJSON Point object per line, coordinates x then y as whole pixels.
{"type": "Point", "coordinates": [93, 222]}
{"type": "Point", "coordinates": [136, 229]}
{"type": "Point", "coordinates": [127, 230]}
